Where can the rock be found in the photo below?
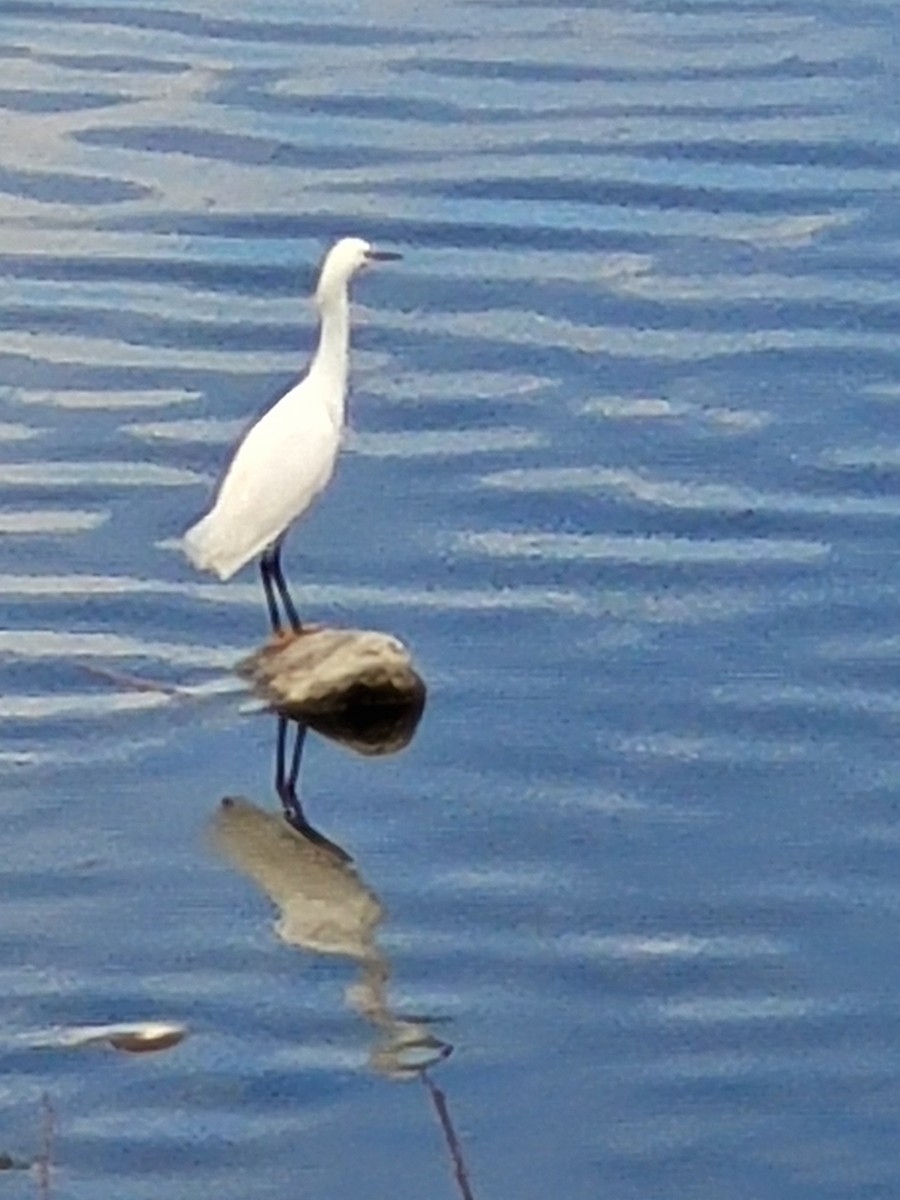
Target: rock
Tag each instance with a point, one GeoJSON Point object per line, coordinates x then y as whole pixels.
{"type": "Point", "coordinates": [353, 685]}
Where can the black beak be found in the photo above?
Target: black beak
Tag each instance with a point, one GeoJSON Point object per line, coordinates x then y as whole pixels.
{"type": "Point", "coordinates": [382, 255]}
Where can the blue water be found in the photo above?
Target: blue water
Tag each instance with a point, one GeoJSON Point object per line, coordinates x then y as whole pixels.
{"type": "Point", "coordinates": [624, 475]}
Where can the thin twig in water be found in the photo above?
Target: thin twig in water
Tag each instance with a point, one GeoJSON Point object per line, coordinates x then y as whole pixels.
{"type": "Point", "coordinates": [44, 1160]}
{"type": "Point", "coordinates": [439, 1100]}
{"type": "Point", "coordinates": [136, 682]}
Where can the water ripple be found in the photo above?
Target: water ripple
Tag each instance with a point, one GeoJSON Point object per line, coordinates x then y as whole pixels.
{"type": "Point", "coordinates": [622, 475]}
{"type": "Point", "coordinates": [671, 493]}
{"type": "Point", "coordinates": [649, 549]}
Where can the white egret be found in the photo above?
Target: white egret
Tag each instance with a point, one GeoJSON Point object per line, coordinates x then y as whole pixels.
{"type": "Point", "coordinates": [287, 457]}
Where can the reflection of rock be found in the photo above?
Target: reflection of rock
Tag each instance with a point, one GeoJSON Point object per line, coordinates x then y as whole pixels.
{"type": "Point", "coordinates": [355, 686]}
{"type": "Point", "coordinates": [324, 906]}
{"type": "Point", "coordinates": [372, 729]}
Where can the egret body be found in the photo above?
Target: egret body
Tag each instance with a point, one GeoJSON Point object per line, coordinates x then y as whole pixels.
{"type": "Point", "coordinates": [287, 457]}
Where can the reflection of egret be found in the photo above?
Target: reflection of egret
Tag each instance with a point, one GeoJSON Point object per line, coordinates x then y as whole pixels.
{"type": "Point", "coordinates": [324, 906]}
{"type": "Point", "coordinates": [287, 457]}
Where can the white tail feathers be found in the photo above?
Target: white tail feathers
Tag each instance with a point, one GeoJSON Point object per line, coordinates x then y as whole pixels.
{"type": "Point", "coordinates": [208, 551]}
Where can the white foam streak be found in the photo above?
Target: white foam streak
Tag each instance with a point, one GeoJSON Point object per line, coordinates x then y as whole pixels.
{"type": "Point", "coordinates": [50, 521]}
{"type": "Point", "coordinates": [97, 474]}
{"type": "Point", "coordinates": [658, 549]}
{"type": "Point", "coordinates": [623, 482]}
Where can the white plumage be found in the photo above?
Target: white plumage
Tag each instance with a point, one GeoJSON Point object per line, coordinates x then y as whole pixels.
{"type": "Point", "coordinates": [279, 468]}
{"type": "Point", "coordinates": [287, 457]}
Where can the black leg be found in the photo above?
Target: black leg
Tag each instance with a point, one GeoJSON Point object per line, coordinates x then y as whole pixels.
{"type": "Point", "coordinates": [281, 584]}
{"type": "Point", "coordinates": [266, 571]}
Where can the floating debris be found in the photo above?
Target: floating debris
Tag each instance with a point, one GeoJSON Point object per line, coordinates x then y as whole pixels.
{"type": "Point", "coordinates": [8, 1163]}
{"type": "Point", "coordinates": [135, 1037]}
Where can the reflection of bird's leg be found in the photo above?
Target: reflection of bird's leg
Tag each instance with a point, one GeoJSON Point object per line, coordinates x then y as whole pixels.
{"type": "Point", "coordinates": [280, 741]}
{"type": "Point", "coordinates": [286, 779]}
{"type": "Point", "coordinates": [281, 584]}
{"type": "Point", "coordinates": [265, 570]}
{"type": "Point", "coordinates": [286, 787]}
{"type": "Point", "coordinates": [296, 758]}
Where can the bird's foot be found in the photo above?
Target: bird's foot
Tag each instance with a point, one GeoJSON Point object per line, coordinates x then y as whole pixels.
{"type": "Point", "coordinates": [280, 637]}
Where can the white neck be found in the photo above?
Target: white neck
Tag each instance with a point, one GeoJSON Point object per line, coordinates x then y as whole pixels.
{"type": "Point", "coordinates": [329, 365]}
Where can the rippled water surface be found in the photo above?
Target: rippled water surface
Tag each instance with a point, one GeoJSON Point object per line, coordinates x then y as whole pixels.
{"type": "Point", "coordinates": [623, 473]}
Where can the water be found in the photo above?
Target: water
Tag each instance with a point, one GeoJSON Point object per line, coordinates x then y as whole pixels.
{"type": "Point", "coordinates": [623, 474]}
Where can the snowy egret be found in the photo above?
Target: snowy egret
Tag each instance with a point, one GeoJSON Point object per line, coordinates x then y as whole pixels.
{"type": "Point", "coordinates": [287, 457]}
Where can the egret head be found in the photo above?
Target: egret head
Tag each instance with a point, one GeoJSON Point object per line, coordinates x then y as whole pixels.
{"type": "Point", "coordinates": [343, 260]}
